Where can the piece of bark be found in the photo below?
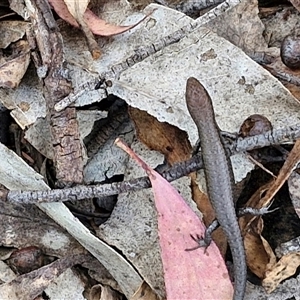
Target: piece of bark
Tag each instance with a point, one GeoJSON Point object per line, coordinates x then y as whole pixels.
{"type": "Point", "coordinates": [64, 126]}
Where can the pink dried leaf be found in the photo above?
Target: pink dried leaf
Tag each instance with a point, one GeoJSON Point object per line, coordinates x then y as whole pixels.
{"type": "Point", "coordinates": [188, 274]}
{"type": "Point", "coordinates": [101, 27]}
{"type": "Point", "coordinates": [96, 25]}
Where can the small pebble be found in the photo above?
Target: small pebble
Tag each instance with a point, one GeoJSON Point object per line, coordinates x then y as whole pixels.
{"type": "Point", "coordinates": [254, 125]}
{"type": "Point", "coordinates": [290, 51]}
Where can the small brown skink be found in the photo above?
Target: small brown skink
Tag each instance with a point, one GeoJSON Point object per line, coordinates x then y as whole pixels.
{"type": "Point", "coordinates": [219, 177]}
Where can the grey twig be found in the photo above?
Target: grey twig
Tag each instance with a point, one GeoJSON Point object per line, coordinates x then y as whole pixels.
{"type": "Point", "coordinates": [274, 137]}
{"type": "Point", "coordinates": [81, 192]}
{"type": "Point", "coordinates": [279, 136]}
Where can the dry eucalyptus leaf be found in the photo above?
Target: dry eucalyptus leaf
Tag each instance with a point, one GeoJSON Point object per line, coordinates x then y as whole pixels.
{"type": "Point", "coordinates": [115, 50]}
{"type": "Point", "coordinates": [233, 102]}
{"type": "Point", "coordinates": [102, 28]}
{"type": "Point", "coordinates": [269, 251]}
{"type": "Point", "coordinates": [11, 31]}
{"type": "Point", "coordinates": [187, 274]}
{"type": "Point", "coordinates": [162, 137]}
{"type": "Point", "coordinates": [285, 268]}
{"type": "Point", "coordinates": [252, 226]}
{"type": "Point", "coordinates": [258, 251]}
{"type": "Point", "coordinates": [145, 293]}
{"type": "Point", "coordinates": [62, 10]}
{"type": "Point", "coordinates": [242, 27]}
{"type": "Point", "coordinates": [258, 255]}
{"type": "Point", "coordinates": [28, 95]}
{"type": "Point", "coordinates": [40, 231]}
{"type": "Point", "coordinates": [82, 68]}
{"type": "Point", "coordinates": [76, 52]}
{"type": "Point", "coordinates": [288, 167]}
{"type": "Point", "coordinates": [162, 21]}
{"type": "Point", "coordinates": [104, 292]}
{"type": "Point", "coordinates": [13, 70]}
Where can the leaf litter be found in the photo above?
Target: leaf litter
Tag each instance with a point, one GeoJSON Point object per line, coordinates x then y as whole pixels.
{"type": "Point", "coordinates": [135, 91]}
